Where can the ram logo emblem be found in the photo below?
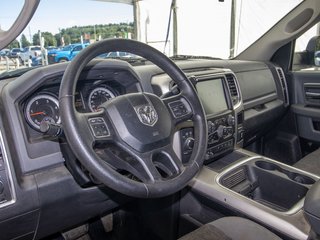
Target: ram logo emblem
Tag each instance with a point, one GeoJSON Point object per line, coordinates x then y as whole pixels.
{"type": "Point", "coordinates": [147, 114]}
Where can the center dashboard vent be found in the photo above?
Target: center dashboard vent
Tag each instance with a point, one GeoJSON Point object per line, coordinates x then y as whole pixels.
{"type": "Point", "coordinates": [283, 85]}
{"type": "Point", "coordinates": [233, 88]}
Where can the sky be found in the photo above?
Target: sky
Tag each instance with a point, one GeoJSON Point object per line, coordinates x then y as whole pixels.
{"type": "Point", "coordinates": [54, 14]}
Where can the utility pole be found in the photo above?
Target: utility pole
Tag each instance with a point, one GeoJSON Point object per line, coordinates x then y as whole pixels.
{"type": "Point", "coordinates": [30, 35]}
{"type": "Point", "coordinates": [146, 28]}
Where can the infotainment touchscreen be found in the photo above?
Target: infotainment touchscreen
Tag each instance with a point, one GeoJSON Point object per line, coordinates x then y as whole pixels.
{"type": "Point", "coordinates": [212, 95]}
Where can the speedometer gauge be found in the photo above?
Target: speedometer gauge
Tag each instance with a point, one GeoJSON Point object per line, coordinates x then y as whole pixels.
{"type": "Point", "coordinates": [40, 108]}
{"type": "Point", "coordinates": [98, 96]}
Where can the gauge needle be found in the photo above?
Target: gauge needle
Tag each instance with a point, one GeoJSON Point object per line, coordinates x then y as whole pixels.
{"type": "Point", "coordinates": [37, 113]}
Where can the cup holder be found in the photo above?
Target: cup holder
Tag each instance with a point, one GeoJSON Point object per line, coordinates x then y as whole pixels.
{"type": "Point", "coordinates": [300, 178]}
{"type": "Point", "coordinates": [267, 165]}
{"type": "Point", "coordinates": [297, 177]}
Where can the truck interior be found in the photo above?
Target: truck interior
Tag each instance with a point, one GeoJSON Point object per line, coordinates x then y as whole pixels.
{"type": "Point", "coordinates": [164, 147]}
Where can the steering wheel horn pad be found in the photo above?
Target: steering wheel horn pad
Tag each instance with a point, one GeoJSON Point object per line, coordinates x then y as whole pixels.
{"type": "Point", "coordinates": [141, 120]}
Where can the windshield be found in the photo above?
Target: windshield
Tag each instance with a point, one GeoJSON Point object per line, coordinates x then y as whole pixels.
{"type": "Point", "coordinates": [211, 28]}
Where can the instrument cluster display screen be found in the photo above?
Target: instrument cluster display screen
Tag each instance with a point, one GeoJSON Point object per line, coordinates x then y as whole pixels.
{"type": "Point", "coordinates": [212, 95]}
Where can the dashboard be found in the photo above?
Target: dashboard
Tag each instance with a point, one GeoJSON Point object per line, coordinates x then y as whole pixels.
{"type": "Point", "coordinates": [236, 103]}
{"type": "Point", "coordinates": [238, 98]}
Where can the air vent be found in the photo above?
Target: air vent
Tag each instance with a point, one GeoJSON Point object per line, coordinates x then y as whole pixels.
{"type": "Point", "coordinates": [233, 88]}
{"type": "Point", "coordinates": [283, 85]}
{"type": "Point", "coordinates": [172, 84]}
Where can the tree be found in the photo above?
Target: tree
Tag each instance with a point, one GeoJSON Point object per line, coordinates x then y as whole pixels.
{"type": "Point", "coordinates": [318, 44]}
{"type": "Point", "coordinates": [67, 39]}
{"type": "Point", "coordinates": [58, 39]}
{"type": "Point", "coordinates": [73, 34]}
{"type": "Point", "coordinates": [24, 41]}
{"type": "Point", "coordinates": [49, 39]}
{"type": "Point", "coordinates": [14, 44]}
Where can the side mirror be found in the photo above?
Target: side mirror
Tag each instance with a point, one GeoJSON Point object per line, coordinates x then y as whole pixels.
{"type": "Point", "coordinates": [29, 7]}
{"type": "Point", "coordinates": [317, 58]}
{"type": "Point", "coordinates": [314, 48]}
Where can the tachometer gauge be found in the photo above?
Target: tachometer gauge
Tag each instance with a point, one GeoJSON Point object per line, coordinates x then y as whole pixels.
{"type": "Point", "coordinates": [40, 108]}
{"type": "Point", "coordinates": [98, 96]}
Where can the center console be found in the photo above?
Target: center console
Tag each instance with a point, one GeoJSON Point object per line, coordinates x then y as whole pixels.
{"type": "Point", "coordinates": [265, 190]}
{"type": "Point", "coordinates": [221, 131]}
{"type": "Point", "coordinates": [272, 184]}
{"type": "Point", "coordinates": [214, 93]}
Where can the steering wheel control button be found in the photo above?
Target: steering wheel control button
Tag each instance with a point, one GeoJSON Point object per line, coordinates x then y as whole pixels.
{"type": "Point", "coordinates": [99, 127]}
{"type": "Point", "coordinates": [2, 167]}
{"type": "Point", "coordinates": [179, 109]}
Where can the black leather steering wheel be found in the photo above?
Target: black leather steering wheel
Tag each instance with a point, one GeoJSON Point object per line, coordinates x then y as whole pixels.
{"type": "Point", "coordinates": [134, 132]}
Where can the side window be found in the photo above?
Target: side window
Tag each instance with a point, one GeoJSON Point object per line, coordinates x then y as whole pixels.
{"type": "Point", "coordinates": [77, 48]}
{"type": "Point", "coordinates": [307, 50]}
{"type": "Point", "coordinates": [112, 54]}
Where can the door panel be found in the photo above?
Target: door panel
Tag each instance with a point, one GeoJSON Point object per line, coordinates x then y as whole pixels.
{"type": "Point", "coordinates": [306, 103]}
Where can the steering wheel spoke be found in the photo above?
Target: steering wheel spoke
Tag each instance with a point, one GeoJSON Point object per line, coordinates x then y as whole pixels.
{"type": "Point", "coordinates": [160, 164]}
{"type": "Point", "coordinates": [149, 167]}
{"type": "Point", "coordinates": [179, 108]}
{"type": "Point", "coordinates": [138, 167]}
{"type": "Point", "coordinates": [174, 159]}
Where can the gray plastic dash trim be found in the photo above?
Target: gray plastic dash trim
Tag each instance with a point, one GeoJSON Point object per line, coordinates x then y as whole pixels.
{"type": "Point", "coordinates": [9, 174]}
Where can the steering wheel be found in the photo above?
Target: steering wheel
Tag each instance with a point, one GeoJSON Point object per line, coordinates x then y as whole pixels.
{"type": "Point", "coordinates": [128, 143]}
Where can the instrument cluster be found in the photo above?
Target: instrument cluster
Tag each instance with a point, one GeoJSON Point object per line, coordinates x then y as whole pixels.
{"type": "Point", "coordinates": [44, 105]}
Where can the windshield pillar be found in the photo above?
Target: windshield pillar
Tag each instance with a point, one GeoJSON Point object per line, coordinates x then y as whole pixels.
{"type": "Point", "coordinates": [175, 27]}
{"type": "Point", "coordinates": [232, 29]}
{"type": "Point", "coordinates": [136, 18]}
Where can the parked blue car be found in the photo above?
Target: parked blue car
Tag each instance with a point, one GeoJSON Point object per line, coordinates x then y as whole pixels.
{"type": "Point", "coordinates": [65, 54]}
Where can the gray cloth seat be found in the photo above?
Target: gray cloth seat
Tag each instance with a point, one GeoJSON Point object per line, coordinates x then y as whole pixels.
{"type": "Point", "coordinates": [235, 228]}
{"type": "Point", "coordinates": [310, 163]}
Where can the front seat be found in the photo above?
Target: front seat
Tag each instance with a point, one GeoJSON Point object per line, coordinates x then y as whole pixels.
{"type": "Point", "coordinates": [310, 163]}
{"type": "Point", "coordinates": [227, 228]}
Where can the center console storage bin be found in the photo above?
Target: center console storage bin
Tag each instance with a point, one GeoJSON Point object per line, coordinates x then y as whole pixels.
{"type": "Point", "coordinates": [274, 185]}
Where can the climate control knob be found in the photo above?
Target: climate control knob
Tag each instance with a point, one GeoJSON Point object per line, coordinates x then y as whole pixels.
{"type": "Point", "coordinates": [221, 131]}
{"type": "Point", "coordinates": [189, 143]}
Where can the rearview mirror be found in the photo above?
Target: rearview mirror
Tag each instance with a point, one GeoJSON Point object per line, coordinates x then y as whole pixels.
{"type": "Point", "coordinates": [28, 9]}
